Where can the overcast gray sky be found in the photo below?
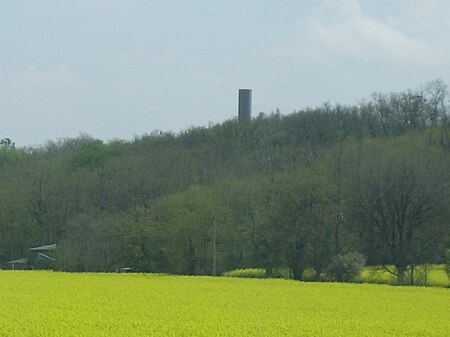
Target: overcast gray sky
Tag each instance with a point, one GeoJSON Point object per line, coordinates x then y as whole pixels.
{"type": "Point", "coordinates": [119, 68]}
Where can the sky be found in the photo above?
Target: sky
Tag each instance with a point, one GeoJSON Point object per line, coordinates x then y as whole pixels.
{"type": "Point", "coordinates": [117, 69]}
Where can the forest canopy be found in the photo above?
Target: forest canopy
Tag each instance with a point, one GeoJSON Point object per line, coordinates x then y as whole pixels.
{"type": "Point", "coordinates": [292, 191]}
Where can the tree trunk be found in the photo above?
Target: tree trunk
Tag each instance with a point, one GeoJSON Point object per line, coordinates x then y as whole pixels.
{"type": "Point", "coordinates": [411, 276]}
{"type": "Point", "coordinates": [401, 271]}
{"type": "Point", "coordinates": [317, 275]}
{"type": "Point", "coordinates": [297, 271]}
{"type": "Point", "coordinates": [295, 260]}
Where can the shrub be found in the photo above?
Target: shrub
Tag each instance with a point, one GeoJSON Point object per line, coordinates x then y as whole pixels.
{"type": "Point", "coordinates": [246, 273]}
{"type": "Point", "coordinates": [345, 268]}
{"type": "Point", "coordinates": [257, 273]}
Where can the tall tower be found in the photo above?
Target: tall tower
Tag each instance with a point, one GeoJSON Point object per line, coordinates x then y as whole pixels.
{"type": "Point", "coordinates": [245, 105]}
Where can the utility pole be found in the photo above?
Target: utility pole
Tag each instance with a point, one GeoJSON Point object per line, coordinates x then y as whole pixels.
{"type": "Point", "coordinates": [214, 255]}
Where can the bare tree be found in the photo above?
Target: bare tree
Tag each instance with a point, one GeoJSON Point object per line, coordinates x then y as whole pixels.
{"type": "Point", "coordinates": [399, 196]}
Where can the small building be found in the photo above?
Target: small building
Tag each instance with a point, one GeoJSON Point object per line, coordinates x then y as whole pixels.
{"type": "Point", "coordinates": [20, 264]}
{"type": "Point", "coordinates": [38, 258]}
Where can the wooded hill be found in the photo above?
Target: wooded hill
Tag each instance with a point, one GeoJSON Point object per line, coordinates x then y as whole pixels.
{"type": "Point", "coordinates": [280, 191]}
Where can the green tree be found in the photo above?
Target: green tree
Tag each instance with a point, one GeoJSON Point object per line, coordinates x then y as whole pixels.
{"type": "Point", "coordinates": [402, 196]}
{"type": "Point", "coordinates": [347, 267]}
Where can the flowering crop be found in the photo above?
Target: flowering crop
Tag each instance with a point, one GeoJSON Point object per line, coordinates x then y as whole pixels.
{"type": "Point", "coordinates": [36, 303]}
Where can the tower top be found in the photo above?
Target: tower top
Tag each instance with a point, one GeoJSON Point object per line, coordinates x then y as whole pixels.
{"type": "Point", "coordinates": [245, 105]}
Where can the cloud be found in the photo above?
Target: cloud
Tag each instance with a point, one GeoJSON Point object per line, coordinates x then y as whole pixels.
{"type": "Point", "coordinates": [426, 18]}
{"type": "Point", "coordinates": [34, 77]}
{"type": "Point", "coordinates": [340, 30]}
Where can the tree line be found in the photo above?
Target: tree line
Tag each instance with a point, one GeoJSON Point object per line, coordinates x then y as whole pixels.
{"type": "Point", "coordinates": [292, 191]}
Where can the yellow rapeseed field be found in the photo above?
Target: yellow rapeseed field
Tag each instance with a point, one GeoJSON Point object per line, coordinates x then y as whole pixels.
{"type": "Point", "coordinates": [51, 304]}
